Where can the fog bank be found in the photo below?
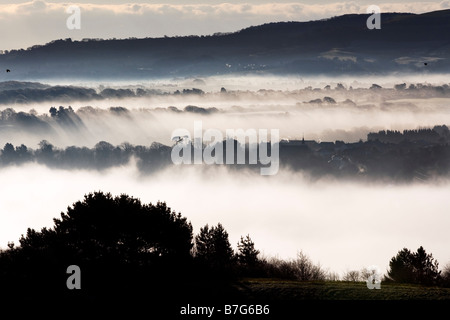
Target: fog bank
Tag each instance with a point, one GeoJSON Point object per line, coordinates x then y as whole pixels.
{"type": "Point", "coordinates": [339, 224]}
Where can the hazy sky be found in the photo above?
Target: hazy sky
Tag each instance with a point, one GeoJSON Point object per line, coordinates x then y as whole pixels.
{"type": "Point", "coordinates": [25, 23]}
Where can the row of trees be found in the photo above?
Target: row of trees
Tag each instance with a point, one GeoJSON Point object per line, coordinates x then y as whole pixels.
{"type": "Point", "coordinates": [102, 156]}
{"type": "Point", "coordinates": [406, 266]}
{"type": "Point", "coordinates": [122, 245]}
{"type": "Point", "coordinates": [70, 93]}
{"type": "Point", "coordinates": [212, 246]}
{"type": "Point", "coordinates": [439, 134]}
{"type": "Point", "coordinates": [372, 160]}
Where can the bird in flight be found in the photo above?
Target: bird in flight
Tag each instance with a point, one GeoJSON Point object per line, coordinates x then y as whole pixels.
{"type": "Point", "coordinates": [179, 139]}
{"type": "Point", "coordinates": [425, 63]}
{"type": "Point", "coordinates": [7, 70]}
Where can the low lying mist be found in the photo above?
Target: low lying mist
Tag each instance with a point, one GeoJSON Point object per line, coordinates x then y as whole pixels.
{"type": "Point", "coordinates": [340, 224]}
{"type": "Point", "coordinates": [150, 112]}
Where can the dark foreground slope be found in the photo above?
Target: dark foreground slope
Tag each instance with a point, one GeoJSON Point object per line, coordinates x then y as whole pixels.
{"type": "Point", "coordinates": [337, 45]}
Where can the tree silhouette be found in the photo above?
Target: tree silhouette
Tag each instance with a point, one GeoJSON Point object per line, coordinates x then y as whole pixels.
{"type": "Point", "coordinates": [446, 275]}
{"type": "Point", "coordinates": [8, 154]}
{"type": "Point", "coordinates": [247, 256]}
{"type": "Point", "coordinates": [212, 248]}
{"type": "Point", "coordinates": [401, 269]}
{"type": "Point", "coordinates": [122, 227]}
{"type": "Point", "coordinates": [414, 267]}
{"type": "Point", "coordinates": [118, 243]}
{"type": "Point", "coordinates": [425, 267]}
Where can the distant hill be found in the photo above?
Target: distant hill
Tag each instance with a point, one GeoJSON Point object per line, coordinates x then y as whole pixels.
{"type": "Point", "coordinates": [19, 85]}
{"type": "Point", "coordinates": [405, 43]}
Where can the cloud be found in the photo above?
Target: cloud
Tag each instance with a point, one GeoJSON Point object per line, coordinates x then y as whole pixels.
{"type": "Point", "coordinates": [40, 21]}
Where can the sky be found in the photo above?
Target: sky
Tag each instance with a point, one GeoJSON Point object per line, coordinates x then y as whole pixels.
{"type": "Point", "coordinates": [41, 21]}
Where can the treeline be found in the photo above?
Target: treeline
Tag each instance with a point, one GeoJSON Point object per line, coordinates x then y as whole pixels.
{"type": "Point", "coordinates": [128, 251]}
{"type": "Point", "coordinates": [17, 92]}
{"type": "Point", "coordinates": [439, 134]}
{"type": "Point", "coordinates": [76, 93]}
{"type": "Point", "coordinates": [373, 160]}
{"type": "Point", "coordinates": [407, 266]}
{"type": "Point", "coordinates": [70, 121]}
{"type": "Point", "coordinates": [66, 116]}
{"type": "Point", "coordinates": [142, 251]}
{"type": "Point", "coordinates": [420, 154]}
{"type": "Point", "coordinates": [102, 156]}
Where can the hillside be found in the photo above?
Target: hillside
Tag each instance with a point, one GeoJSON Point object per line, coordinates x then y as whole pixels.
{"type": "Point", "coordinates": [333, 46]}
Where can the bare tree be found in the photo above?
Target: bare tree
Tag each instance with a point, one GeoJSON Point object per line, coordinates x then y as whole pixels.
{"type": "Point", "coordinates": [352, 275]}
{"type": "Point", "coordinates": [306, 270]}
{"type": "Point", "coordinates": [332, 276]}
{"type": "Point", "coordinates": [445, 275]}
{"type": "Point", "coordinates": [365, 273]}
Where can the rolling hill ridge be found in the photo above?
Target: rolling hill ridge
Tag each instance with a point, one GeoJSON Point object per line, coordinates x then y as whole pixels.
{"type": "Point", "coordinates": [338, 45]}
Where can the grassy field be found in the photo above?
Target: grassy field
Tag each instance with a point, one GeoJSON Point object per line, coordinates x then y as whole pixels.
{"type": "Point", "coordinates": [288, 299]}
{"type": "Point", "coordinates": [285, 290]}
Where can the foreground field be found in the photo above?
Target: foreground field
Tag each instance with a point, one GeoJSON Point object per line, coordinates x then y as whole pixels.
{"type": "Point", "coordinates": [287, 299]}
{"type": "Point", "coordinates": [287, 291]}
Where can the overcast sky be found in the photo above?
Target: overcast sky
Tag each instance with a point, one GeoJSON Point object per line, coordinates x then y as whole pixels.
{"type": "Point", "coordinates": [25, 23]}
